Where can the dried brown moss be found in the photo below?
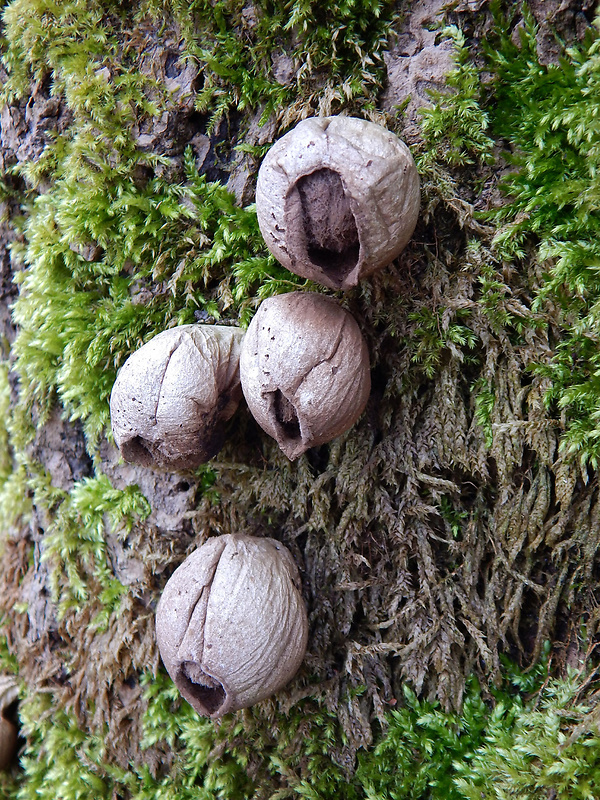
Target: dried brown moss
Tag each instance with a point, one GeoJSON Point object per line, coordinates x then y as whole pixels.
{"type": "Point", "coordinates": [426, 547]}
{"type": "Point", "coordinates": [427, 553]}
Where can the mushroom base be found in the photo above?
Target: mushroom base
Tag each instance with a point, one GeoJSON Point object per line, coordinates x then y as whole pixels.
{"type": "Point", "coordinates": [176, 452]}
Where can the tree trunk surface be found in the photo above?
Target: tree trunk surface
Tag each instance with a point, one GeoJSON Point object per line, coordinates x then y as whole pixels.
{"type": "Point", "coordinates": [452, 532]}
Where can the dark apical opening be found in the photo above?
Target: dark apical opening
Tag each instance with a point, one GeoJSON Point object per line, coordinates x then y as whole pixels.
{"type": "Point", "coordinates": [207, 691]}
{"type": "Point", "coordinates": [332, 240]}
{"type": "Point", "coordinates": [285, 415]}
{"type": "Point", "coordinates": [173, 66]}
{"type": "Point", "coordinates": [136, 451]}
{"type": "Point", "coordinates": [211, 437]}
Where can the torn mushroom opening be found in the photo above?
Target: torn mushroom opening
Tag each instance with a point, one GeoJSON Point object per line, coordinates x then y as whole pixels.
{"type": "Point", "coordinates": [207, 692]}
{"type": "Point", "coordinates": [320, 218]}
{"type": "Point", "coordinates": [284, 416]}
{"type": "Point", "coordinates": [137, 451]}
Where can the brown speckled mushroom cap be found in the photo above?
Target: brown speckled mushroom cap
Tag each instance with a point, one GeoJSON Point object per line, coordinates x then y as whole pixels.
{"type": "Point", "coordinates": [337, 198]}
{"type": "Point", "coordinates": [231, 623]}
{"type": "Point", "coordinates": [304, 369]}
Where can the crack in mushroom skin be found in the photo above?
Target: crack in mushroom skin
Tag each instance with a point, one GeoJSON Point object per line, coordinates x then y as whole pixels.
{"type": "Point", "coordinates": [304, 369]}
{"type": "Point", "coordinates": [337, 198]}
{"type": "Point", "coordinates": [209, 693]}
{"type": "Point", "coordinates": [284, 416]}
{"type": "Point", "coordinates": [9, 742]}
{"type": "Point", "coordinates": [137, 451]}
{"type": "Point", "coordinates": [173, 396]}
{"type": "Point", "coordinates": [231, 623]}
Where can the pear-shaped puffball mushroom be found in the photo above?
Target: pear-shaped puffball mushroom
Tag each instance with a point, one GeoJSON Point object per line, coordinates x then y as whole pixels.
{"type": "Point", "coordinates": [304, 369]}
{"type": "Point", "coordinates": [172, 397]}
{"type": "Point", "coordinates": [231, 623]}
{"type": "Point", "coordinates": [337, 198]}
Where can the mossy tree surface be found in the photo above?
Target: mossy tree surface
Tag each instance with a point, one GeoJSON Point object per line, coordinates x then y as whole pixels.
{"type": "Point", "coordinates": [456, 524]}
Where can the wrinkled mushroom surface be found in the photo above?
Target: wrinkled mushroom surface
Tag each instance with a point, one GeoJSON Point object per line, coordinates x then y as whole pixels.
{"type": "Point", "coordinates": [304, 369]}
{"type": "Point", "coordinates": [172, 397]}
{"type": "Point", "coordinates": [231, 623]}
{"type": "Point", "coordinates": [337, 198]}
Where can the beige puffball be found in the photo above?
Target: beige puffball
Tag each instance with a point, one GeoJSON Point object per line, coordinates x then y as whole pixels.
{"type": "Point", "coordinates": [337, 198]}
{"type": "Point", "coordinates": [231, 623]}
{"type": "Point", "coordinates": [172, 397]}
{"type": "Point", "coordinates": [304, 369]}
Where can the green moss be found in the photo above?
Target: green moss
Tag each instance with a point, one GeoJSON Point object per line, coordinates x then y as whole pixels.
{"type": "Point", "coordinates": [334, 46]}
{"type": "Point", "coordinates": [530, 737]}
{"type": "Point", "coordinates": [550, 750]}
{"type": "Point", "coordinates": [416, 557]}
{"type": "Point", "coordinates": [75, 539]}
{"type": "Point", "coordinates": [456, 126]}
{"type": "Point", "coordinates": [547, 114]}
{"type": "Point", "coordinates": [431, 337]}
{"type": "Point", "coordinates": [63, 761]}
{"type": "Point", "coordinates": [79, 320]}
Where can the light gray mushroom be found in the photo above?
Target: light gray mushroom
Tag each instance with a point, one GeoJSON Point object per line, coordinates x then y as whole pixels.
{"type": "Point", "coordinates": [172, 397]}
{"type": "Point", "coordinates": [231, 623]}
{"type": "Point", "coordinates": [9, 736]}
{"type": "Point", "coordinates": [337, 198]}
{"type": "Point", "coordinates": [304, 369]}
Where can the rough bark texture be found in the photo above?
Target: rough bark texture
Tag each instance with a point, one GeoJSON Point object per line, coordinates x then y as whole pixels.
{"type": "Point", "coordinates": [446, 530]}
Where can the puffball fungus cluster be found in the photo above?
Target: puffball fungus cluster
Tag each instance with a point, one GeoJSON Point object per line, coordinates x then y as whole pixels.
{"type": "Point", "coordinates": [337, 198]}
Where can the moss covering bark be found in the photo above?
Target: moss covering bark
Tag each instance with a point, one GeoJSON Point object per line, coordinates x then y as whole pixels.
{"type": "Point", "coordinates": [455, 525]}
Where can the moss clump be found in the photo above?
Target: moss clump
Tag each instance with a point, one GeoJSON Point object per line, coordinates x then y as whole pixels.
{"type": "Point", "coordinates": [187, 239]}
{"type": "Point", "coordinates": [535, 738]}
{"type": "Point", "coordinates": [290, 60]}
{"type": "Point", "coordinates": [546, 113]}
{"type": "Point", "coordinates": [446, 528]}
